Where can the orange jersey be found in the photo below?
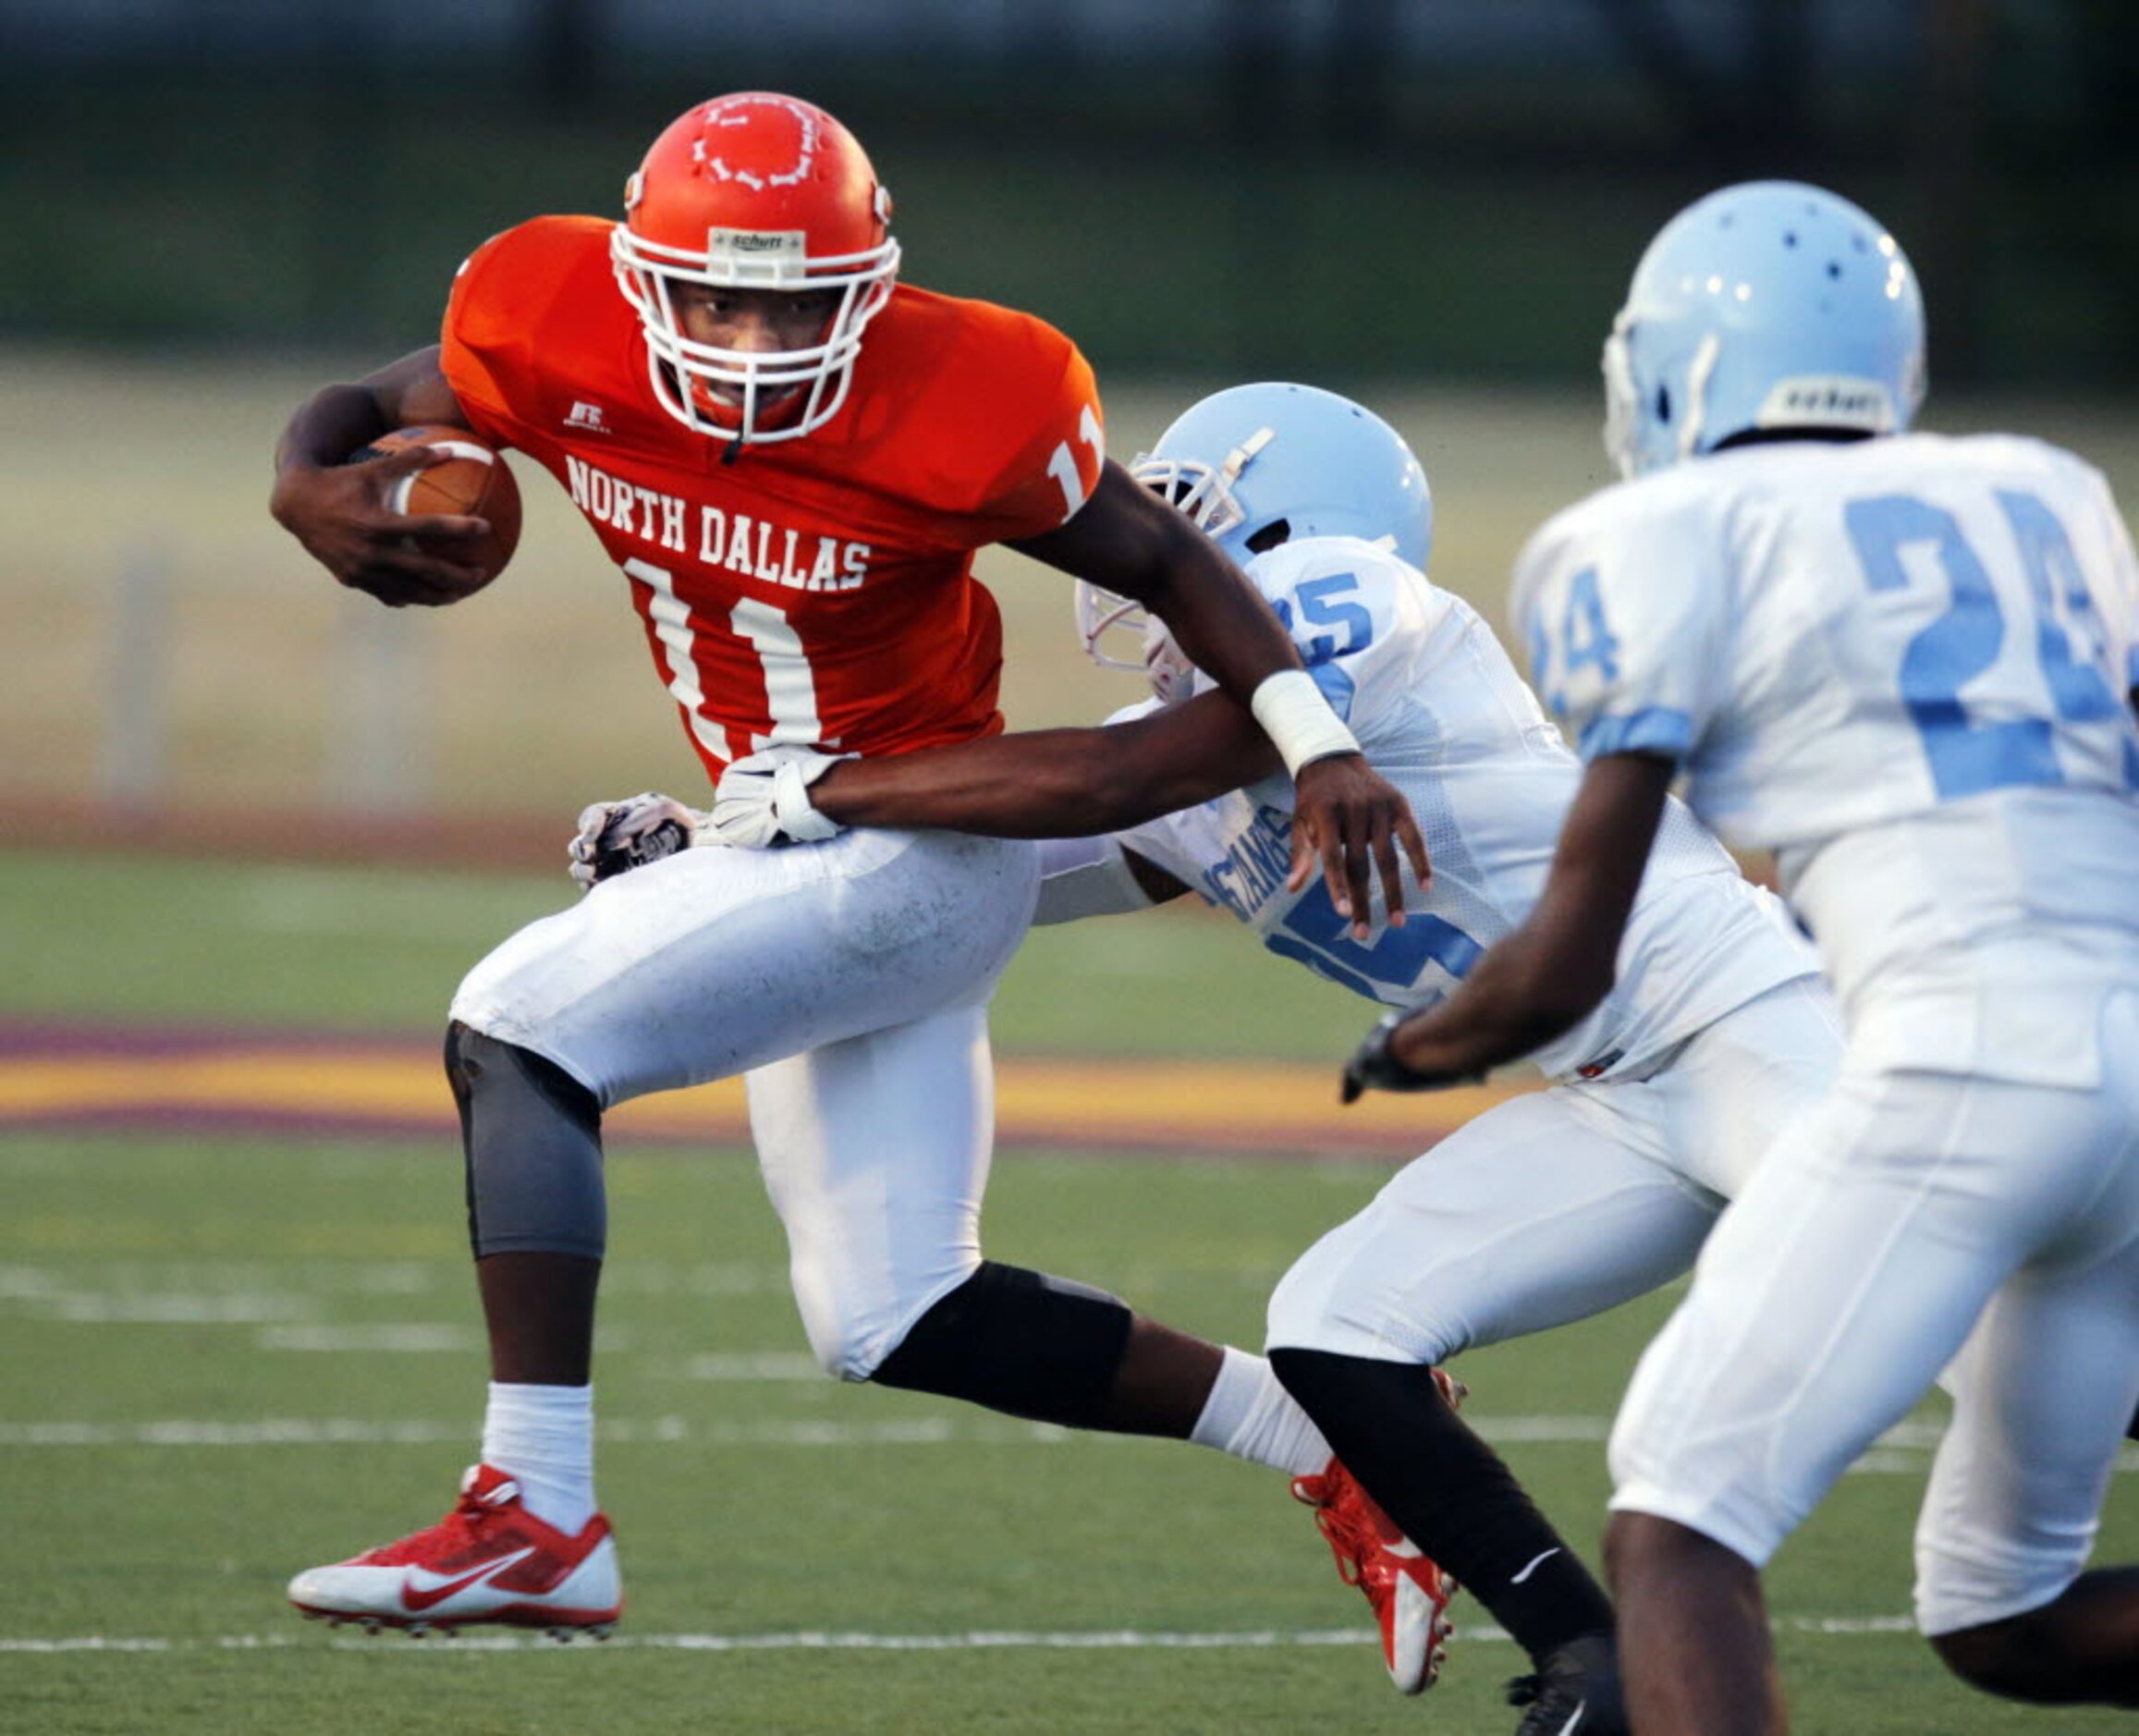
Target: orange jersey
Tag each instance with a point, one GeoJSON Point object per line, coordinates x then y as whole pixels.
{"type": "Point", "coordinates": [817, 591]}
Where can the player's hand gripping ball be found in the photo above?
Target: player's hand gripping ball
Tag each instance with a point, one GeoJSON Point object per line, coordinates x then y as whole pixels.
{"type": "Point", "coordinates": [474, 479]}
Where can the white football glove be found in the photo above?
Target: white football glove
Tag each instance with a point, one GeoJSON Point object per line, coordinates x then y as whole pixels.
{"type": "Point", "coordinates": [764, 800]}
{"type": "Point", "coordinates": [617, 836]}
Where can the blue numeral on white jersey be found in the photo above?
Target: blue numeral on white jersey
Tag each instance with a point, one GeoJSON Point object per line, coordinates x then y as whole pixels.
{"type": "Point", "coordinates": [2078, 687]}
{"type": "Point", "coordinates": [1319, 607]}
{"type": "Point", "coordinates": [1966, 755]}
{"type": "Point", "coordinates": [1587, 639]}
{"type": "Point", "coordinates": [1319, 937]}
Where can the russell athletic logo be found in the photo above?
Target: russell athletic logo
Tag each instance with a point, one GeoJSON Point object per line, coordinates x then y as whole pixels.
{"type": "Point", "coordinates": [587, 418]}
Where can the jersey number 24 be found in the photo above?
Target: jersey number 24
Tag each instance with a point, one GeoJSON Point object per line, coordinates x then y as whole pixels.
{"type": "Point", "coordinates": [1970, 753]}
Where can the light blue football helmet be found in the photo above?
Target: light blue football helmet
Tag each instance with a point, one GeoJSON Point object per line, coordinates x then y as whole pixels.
{"type": "Point", "coordinates": [1768, 305]}
{"type": "Point", "coordinates": [1254, 466]}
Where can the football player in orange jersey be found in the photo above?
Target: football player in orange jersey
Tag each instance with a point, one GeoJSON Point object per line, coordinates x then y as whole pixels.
{"type": "Point", "coordinates": [793, 459]}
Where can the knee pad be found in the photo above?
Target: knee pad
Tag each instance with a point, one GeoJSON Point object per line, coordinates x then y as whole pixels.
{"type": "Point", "coordinates": [1016, 1341]}
{"type": "Point", "coordinates": [532, 1136]}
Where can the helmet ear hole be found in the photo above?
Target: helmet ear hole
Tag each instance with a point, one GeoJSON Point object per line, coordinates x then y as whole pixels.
{"type": "Point", "coordinates": [1276, 532]}
{"type": "Point", "coordinates": [1664, 404]}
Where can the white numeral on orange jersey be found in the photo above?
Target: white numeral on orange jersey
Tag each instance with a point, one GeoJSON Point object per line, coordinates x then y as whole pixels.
{"type": "Point", "coordinates": [679, 651]}
{"type": "Point", "coordinates": [790, 688]}
{"type": "Point", "coordinates": [1062, 463]}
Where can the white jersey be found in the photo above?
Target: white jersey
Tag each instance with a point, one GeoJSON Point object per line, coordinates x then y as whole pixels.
{"type": "Point", "coordinates": [1441, 713]}
{"type": "Point", "coordinates": [1902, 665]}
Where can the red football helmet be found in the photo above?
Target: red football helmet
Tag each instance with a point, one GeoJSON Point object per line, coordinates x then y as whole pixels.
{"type": "Point", "coordinates": [754, 191]}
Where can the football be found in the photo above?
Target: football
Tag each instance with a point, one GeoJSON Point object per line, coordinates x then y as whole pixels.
{"type": "Point", "coordinates": [475, 481]}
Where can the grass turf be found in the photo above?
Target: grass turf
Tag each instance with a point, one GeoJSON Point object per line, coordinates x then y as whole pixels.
{"type": "Point", "coordinates": [154, 1281]}
{"type": "Point", "coordinates": [166, 1303]}
{"type": "Point", "coordinates": [354, 949]}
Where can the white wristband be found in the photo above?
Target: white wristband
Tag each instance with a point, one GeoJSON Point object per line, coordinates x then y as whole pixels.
{"type": "Point", "coordinates": [1297, 719]}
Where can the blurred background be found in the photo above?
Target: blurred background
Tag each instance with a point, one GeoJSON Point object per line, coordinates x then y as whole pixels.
{"type": "Point", "coordinates": [212, 206]}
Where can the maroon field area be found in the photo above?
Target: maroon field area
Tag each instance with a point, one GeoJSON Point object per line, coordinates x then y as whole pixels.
{"type": "Point", "coordinates": [165, 1078]}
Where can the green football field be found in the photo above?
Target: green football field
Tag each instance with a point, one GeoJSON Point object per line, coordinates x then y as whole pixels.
{"type": "Point", "coordinates": [230, 1354]}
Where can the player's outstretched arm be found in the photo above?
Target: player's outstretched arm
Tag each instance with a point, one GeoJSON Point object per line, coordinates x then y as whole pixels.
{"type": "Point", "coordinates": [1546, 977]}
{"type": "Point", "coordinates": [1348, 816]}
{"type": "Point", "coordinates": [339, 511]}
{"type": "Point", "coordinates": [1128, 541]}
{"type": "Point", "coordinates": [1057, 783]}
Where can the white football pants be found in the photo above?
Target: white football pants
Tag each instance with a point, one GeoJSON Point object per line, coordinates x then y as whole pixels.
{"type": "Point", "coordinates": [1912, 1214]}
{"type": "Point", "coordinates": [1558, 1205]}
{"type": "Point", "coordinates": [848, 981]}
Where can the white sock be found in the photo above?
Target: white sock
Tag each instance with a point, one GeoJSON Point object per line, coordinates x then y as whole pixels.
{"type": "Point", "coordinates": [1251, 1416]}
{"type": "Point", "coordinates": [543, 1437]}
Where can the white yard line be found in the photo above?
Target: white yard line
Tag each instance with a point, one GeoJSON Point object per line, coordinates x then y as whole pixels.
{"type": "Point", "coordinates": [367, 1432]}
{"type": "Point", "coordinates": [402, 1338]}
{"type": "Point", "coordinates": [1103, 1640]}
{"type": "Point", "coordinates": [1904, 1451]}
{"type": "Point", "coordinates": [116, 1281]}
{"type": "Point", "coordinates": [780, 1365]}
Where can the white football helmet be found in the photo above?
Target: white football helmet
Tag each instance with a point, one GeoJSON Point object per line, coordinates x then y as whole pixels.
{"type": "Point", "coordinates": [754, 191]}
{"type": "Point", "coordinates": [1769, 305]}
{"type": "Point", "coordinates": [1255, 466]}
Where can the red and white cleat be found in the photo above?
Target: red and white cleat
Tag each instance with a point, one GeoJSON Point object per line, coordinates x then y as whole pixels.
{"type": "Point", "coordinates": [489, 1560]}
{"type": "Point", "coordinates": [1408, 1591]}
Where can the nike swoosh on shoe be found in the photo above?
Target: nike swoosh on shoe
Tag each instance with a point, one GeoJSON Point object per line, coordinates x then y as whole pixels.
{"type": "Point", "coordinates": [416, 1596]}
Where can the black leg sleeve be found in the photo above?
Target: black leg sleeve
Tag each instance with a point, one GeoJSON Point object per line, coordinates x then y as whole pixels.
{"type": "Point", "coordinates": [1450, 1491]}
